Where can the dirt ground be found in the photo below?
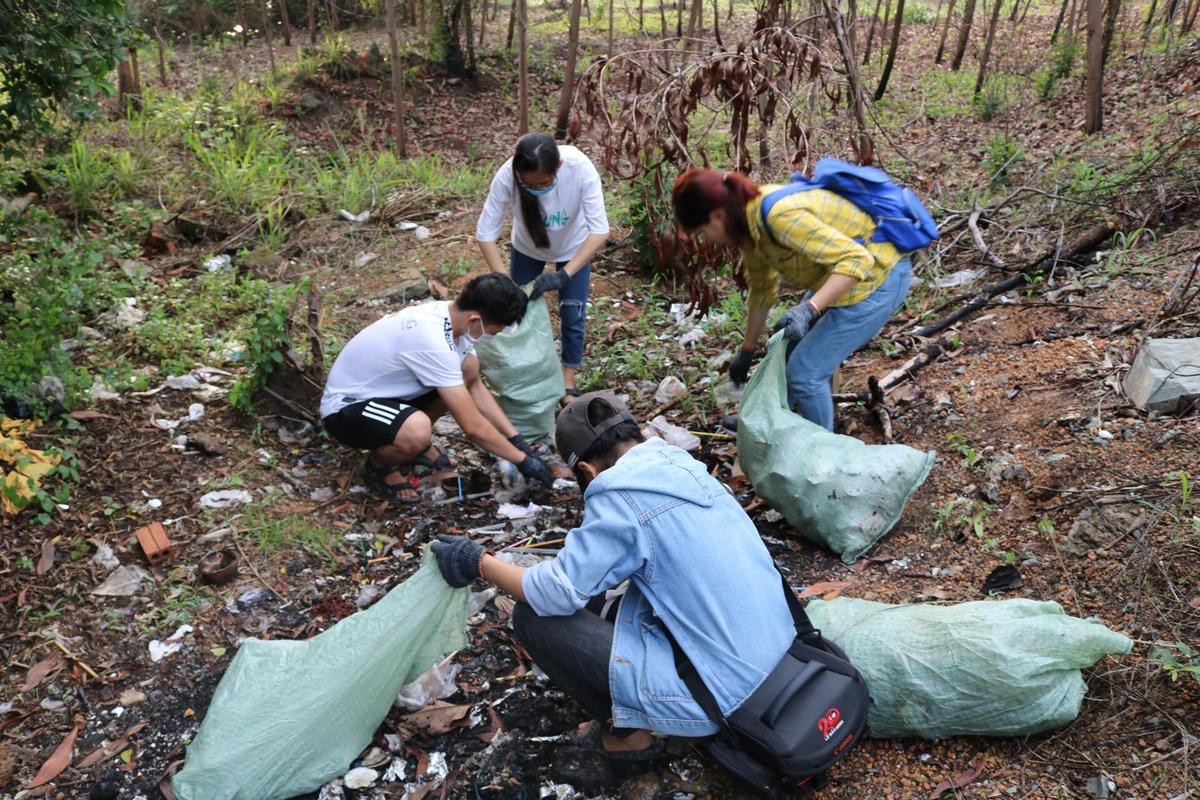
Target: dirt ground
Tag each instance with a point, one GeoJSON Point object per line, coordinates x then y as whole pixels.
{"type": "Point", "coordinates": [1093, 520]}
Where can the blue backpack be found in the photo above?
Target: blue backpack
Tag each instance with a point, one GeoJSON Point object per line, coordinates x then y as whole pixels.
{"type": "Point", "coordinates": [900, 217]}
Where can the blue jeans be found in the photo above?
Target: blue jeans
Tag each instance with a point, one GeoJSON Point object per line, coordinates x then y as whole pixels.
{"type": "Point", "coordinates": [837, 334]}
{"type": "Point", "coordinates": [572, 301]}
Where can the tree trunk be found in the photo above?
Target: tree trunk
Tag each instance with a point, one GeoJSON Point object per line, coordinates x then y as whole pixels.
{"type": "Point", "coordinates": [199, 18]}
{"type": "Point", "coordinates": [568, 88]}
{"type": "Point", "coordinates": [129, 87]}
{"type": "Point", "coordinates": [523, 71]}
{"type": "Point", "coordinates": [512, 23]}
{"type": "Point", "coordinates": [941, 51]}
{"type": "Point", "coordinates": [266, 25]}
{"type": "Point", "coordinates": [887, 15]}
{"type": "Point", "coordinates": [891, 56]}
{"type": "Point", "coordinates": [864, 148]}
{"type": "Point", "coordinates": [1112, 9]}
{"type": "Point", "coordinates": [642, 16]}
{"type": "Point", "coordinates": [717, 24]}
{"type": "Point", "coordinates": [397, 81]}
{"type": "Point", "coordinates": [612, 11]}
{"type": "Point", "coordinates": [1093, 120]}
{"type": "Point", "coordinates": [964, 36]}
{"type": "Point", "coordinates": [312, 21]}
{"type": "Point", "coordinates": [162, 59]}
{"type": "Point", "coordinates": [241, 20]}
{"type": "Point", "coordinates": [1062, 12]}
{"type": "Point", "coordinates": [987, 46]}
{"type": "Point", "coordinates": [333, 16]}
{"type": "Point", "coordinates": [694, 19]}
{"type": "Point", "coordinates": [287, 23]}
{"type": "Point", "coordinates": [871, 31]}
{"type": "Point", "coordinates": [451, 19]}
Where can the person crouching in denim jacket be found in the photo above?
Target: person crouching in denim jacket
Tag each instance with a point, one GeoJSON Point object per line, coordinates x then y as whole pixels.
{"type": "Point", "coordinates": [694, 563]}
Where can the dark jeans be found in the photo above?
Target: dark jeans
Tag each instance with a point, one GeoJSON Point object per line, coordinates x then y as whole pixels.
{"type": "Point", "coordinates": [572, 301]}
{"type": "Point", "coordinates": [573, 651]}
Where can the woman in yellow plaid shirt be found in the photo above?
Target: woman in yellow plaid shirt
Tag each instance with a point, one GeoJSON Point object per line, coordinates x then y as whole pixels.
{"type": "Point", "coordinates": [814, 239]}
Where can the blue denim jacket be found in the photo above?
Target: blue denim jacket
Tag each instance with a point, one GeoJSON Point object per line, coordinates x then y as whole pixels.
{"type": "Point", "coordinates": [695, 563]}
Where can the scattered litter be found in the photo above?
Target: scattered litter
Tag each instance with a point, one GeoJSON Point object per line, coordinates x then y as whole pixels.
{"type": "Point", "coordinates": [422, 233]}
{"type": "Point", "coordinates": [195, 412]}
{"type": "Point", "coordinates": [154, 504]}
{"type": "Point", "coordinates": [564, 485]}
{"type": "Point", "coordinates": [218, 263]}
{"type": "Point", "coordinates": [123, 582]}
{"type": "Point", "coordinates": [101, 392]}
{"type": "Point", "coordinates": [1100, 787]}
{"type": "Point", "coordinates": [321, 495]}
{"type": "Point", "coordinates": [435, 683]}
{"type": "Point", "coordinates": [182, 382]}
{"type": "Point", "coordinates": [50, 704]}
{"type": "Point", "coordinates": [360, 778]}
{"type": "Point", "coordinates": [514, 511]}
{"type": "Point", "coordinates": [900, 563]}
{"type": "Point", "coordinates": [404, 225]}
{"type": "Point", "coordinates": [128, 316]}
{"type": "Point", "coordinates": [1003, 578]}
{"type": "Point", "coordinates": [104, 557]}
{"type": "Point", "coordinates": [480, 599]}
{"type": "Point", "coordinates": [332, 791]}
{"type": "Point", "coordinates": [172, 644]}
{"type": "Point", "coordinates": [558, 791]}
{"type": "Point", "coordinates": [1165, 375]}
{"type": "Point", "coordinates": [368, 595]}
{"type": "Point", "coordinates": [360, 217]}
{"type": "Point", "coordinates": [299, 436]}
{"type": "Point", "coordinates": [669, 389]}
{"type": "Point", "coordinates": [218, 567]}
{"type": "Point", "coordinates": [364, 258]}
{"type": "Point", "coordinates": [964, 277]}
{"type": "Point", "coordinates": [255, 598]}
{"type": "Point", "coordinates": [131, 697]}
{"type": "Point", "coordinates": [154, 542]}
{"type": "Point", "coordinates": [224, 498]}
{"type": "Point", "coordinates": [395, 771]}
{"type": "Point", "coordinates": [692, 337]}
{"type": "Point", "coordinates": [672, 434]}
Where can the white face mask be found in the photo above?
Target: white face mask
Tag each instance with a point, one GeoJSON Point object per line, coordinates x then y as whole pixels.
{"type": "Point", "coordinates": [467, 341]}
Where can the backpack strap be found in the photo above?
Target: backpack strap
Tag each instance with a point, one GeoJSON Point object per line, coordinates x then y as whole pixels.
{"type": "Point", "coordinates": [771, 199]}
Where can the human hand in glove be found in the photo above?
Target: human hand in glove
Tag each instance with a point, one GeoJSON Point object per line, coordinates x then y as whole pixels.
{"type": "Point", "coordinates": [518, 441]}
{"type": "Point", "coordinates": [534, 469]}
{"type": "Point", "coordinates": [549, 282]}
{"type": "Point", "coordinates": [458, 558]}
{"type": "Point", "coordinates": [796, 322]}
{"type": "Point", "coordinates": [739, 368]}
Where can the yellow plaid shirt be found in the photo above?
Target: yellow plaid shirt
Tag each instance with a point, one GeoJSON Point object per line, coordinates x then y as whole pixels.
{"type": "Point", "coordinates": [812, 236]}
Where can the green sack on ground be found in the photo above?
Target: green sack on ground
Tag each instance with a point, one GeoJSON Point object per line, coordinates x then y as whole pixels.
{"type": "Point", "coordinates": [522, 367]}
{"type": "Point", "coordinates": [289, 716]}
{"type": "Point", "coordinates": [835, 490]}
{"type": "Point", "coordinates": [987, 668]}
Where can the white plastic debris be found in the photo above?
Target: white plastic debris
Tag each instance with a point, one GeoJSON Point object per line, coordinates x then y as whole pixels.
{"type": "Point", "coordinates": [321, 494]}
{"type": "Point", "coordinates": [669, 389]}
{"type": "Point", "coordinates": [224, 498]}
{"type": "Point", "coordinates": [405, 225]}
{"type": "Point", "coordinates": [182, 382]}
{"type": "Point", "coordinates": [105, 558]}
{"type": "Point", "coordinates": [515, 511]}
{"type": "Point", "coordinates": [395, 771]}
{"type": "Point", "coordinates": [368, 594]}
{"type": "Point", "coordinates": [123, 582]}
{"type": "Point", "coordinates": [360, 217]}
{"type": "Point", "coordinates": [559, 791]}
{"type": "Point", "coordinates": [692, 337]}
{"type": "Point", "coordinates": [128, 316]}
{"type": "Point", "coordinates": [360, 778]}
{"type": "Point", "coordinates": [52, 705]}
{"type": "Point", "coordinates": [563, 484]}
{"type": "Point", "coordinates": [671, 434]}
{"type": "Point", "coordinates": [218, 263]}
{"type": "Point", "coordinates": [298, 436]}
{"type": "Point", "coordinates": [101, 392]}
{"type": "Point", "coordinates": [364, 258]}
{"type": "Point", "coordinates": [422, 233]}
{"type": "Point", "coordinates": [964, 277]}
{"type": "Point", "coordinates": [510, 476]}
{"type": "Point", "coordinates": [154, 504]}
{"type": "Point", "coordinates": [433, 684]}
{"type": "Point", "coordinates": [172, 644]}
{"type": "Point", "coordinates": [480, 599]}
{"type": "Point", "coordinates": [332, 791]}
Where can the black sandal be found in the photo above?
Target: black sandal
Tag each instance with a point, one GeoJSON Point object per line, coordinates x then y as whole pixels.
{"type": "Point", "coordinates": [432, 464]}
{"type": "Point", "coordinates": [404, 493]}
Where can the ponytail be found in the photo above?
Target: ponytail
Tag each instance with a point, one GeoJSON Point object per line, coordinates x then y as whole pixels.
{"type": "Point", "coordinates": [536, 152]}
{"type": "Point", "coordinates": [700, 191]}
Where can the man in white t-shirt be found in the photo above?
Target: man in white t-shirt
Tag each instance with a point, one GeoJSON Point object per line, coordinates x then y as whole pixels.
{"type": "Point", "coordinates": [402, 372]}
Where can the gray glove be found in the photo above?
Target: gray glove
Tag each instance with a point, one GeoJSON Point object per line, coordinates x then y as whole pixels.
{"type": "Point", "coordinates": [458, 558]}
{"type": "Point", "coordinates": [534, 469]}
{"type": "Point", "coordinates": [518, 441]}
{"type": "Point", "coordinates": [797, 321]}
{"type": "Point", "coordinates": [549, 282]}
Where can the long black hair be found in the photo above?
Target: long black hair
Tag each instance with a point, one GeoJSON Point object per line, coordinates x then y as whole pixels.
{"type": "Point", "coordinates": [536, 152]}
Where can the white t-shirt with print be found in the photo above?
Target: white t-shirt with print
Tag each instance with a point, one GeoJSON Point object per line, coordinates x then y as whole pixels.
{"type": "Point", "coordinates": [400, 356]}
{"type": "Point", "coordinates": [572, 210]}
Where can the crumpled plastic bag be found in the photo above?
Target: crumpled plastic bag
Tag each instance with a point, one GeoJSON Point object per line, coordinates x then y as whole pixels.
{"type": "Point", "coordinates": [26, 467]}
{"type": "Point", "coordinates": [522, 367]}
{"type": "Point", "coordinates": [289, 716]}
{"type": "Point", "coordinates": [985, 668]}
{"type": "Point", "coordinates": [835, 490]}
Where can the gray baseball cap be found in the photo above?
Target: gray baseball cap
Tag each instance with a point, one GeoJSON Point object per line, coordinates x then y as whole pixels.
{"type": "Point", "coordinates": [573, 434]}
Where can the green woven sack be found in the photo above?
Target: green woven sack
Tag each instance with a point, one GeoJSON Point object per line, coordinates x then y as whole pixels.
{"type": "Point", "coordinates": [289, 716]}
{"type": "Point", "coordinates": [835, 490]}
{"type": "Point", "coordinates": [987, 668]}
{"type": "Point", "coordinates": [522, 367]}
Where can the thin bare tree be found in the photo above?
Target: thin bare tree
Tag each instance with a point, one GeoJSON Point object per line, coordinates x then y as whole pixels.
{"type": "Point", "coordinates": [871, 31]}
{"type": "Point", "coordinates": [612, 11]}
{"type": "Point", "coordinates": [266, 24]}
{"type": "Point", "coordinates": [1093, 119]}
{"type": "Point", "coordinates": [941, 51]}
{"type": "Point", "coordinates": [568, 87]}
{"type": "Point", "coordinates": [523, 71]}
{"type": "Point", "coordinates": [287, 23]}
{"type": "Point", "coordinates": [891, 55]}
{"type": "Point", "coordinates": [312, 21]}
{"type": "Point", "coordinates": [401, 140]}
{"type": "Point", "coordinates": [987, 45]}
{"type": "Point", "coordinates": [964, 36]}
{"type": "Point", "coordinates": [1062, 12]}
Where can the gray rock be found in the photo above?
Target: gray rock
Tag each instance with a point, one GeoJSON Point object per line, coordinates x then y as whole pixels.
{"type": "Point", "coordinates": [52, 388]}
{"type": "Point", "coordinates": [416, 288]}
{"type": "Point", "coordinates": [1004, 467]}
{"type": "Point", "coordinates": [1165, 374]}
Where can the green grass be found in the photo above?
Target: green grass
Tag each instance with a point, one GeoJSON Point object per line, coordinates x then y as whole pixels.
{"type": "Point", "coordinates": [182, 599]}
{"type": "Point", "coordinates": [291, 531]}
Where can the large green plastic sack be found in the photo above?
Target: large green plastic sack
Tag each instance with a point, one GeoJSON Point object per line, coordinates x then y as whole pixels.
{"type": "Point", "coordinates": [835, 490]}
{"type": "Point", "coordinates": [987, 668]}
{"type": "Point", "coordinates": [522, 367]}
{"type": "Point", "coordinates": [289, 716]}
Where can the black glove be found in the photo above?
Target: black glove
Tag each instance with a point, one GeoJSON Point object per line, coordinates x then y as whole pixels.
{"type": "Point", "coordinates": [458, 559]}
{"type": "Point", "coordinates": [518, 441]}
{"type": "Point", "coordinates": [739, 368]}
{"type": "Point", "coordinates": [534, 469]}
{"type": "Point", "coordinates": [796, 322]}
{"type": "Point", "coordinates": [549, 282]}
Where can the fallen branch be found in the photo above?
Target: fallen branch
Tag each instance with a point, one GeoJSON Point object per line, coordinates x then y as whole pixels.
{"type": "Point", "coordinates": [879, 406]}
{"type": "Point", "coordinates": [980, 244]}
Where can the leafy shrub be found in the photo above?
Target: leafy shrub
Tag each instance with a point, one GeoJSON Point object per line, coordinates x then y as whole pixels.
{"type": "Point", "coordinates": [1003, 154]}
{"type": "Point", "coordinates": [1058, 66]}
{"type": "Point", "coordinates": [265, 346]}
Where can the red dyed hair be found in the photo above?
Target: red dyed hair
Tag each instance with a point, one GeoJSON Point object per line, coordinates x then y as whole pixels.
{"type": "Point", "coordinates": [699, 191]}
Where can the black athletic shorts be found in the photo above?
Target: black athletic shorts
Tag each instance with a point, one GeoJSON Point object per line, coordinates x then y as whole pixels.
{"type": "Point", "coordinates": [368, 424]}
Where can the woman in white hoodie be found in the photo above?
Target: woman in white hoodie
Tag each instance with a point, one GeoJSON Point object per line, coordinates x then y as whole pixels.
{"type": "Point", "coordinates": [557, 205]}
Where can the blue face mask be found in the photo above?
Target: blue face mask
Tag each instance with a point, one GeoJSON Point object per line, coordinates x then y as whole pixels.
{"type": "Point", "coordinates": [542, 191]}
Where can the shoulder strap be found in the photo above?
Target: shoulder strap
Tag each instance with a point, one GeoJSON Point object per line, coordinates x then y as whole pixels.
{"type": "Point", "coordinates": [799, 183]}
{"type": "Point", "coordinates": [691, 678]}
